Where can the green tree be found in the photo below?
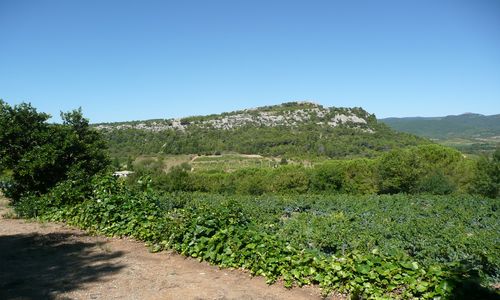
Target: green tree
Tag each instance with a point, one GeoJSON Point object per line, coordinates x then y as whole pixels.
{"type": "Point", "coordinates": [398, 171]}
{"type": "Point", "coordinates": [22, 128]}
{"type": "Point", "coordinates": [487, 179]}
{"type": "Point", "coordinates": [40, 155]}
{"type": "Point", "coordinates": [436, 183]}
{"type": "Point", "coordinates": [327, 178]}
{"type": "Point", "coordinates": [177, 179]}
{"type": "Point", "coordinates": [289, 179]}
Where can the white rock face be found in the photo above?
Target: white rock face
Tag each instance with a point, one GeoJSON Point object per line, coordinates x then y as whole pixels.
{"type": "Point", "coordinates": [344, 119]}
{"type": "Point", "coordinates": [276, 116]}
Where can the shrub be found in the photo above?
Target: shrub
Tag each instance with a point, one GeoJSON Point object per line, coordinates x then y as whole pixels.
{"type": "Point", "coordinates": [292, 180]}
{"type": "Point", "coordinates": [435, 183]}
{"type": "Point", "coordinates": [487, 176]}
{"type": "Point", "coordinates": [398, 170]}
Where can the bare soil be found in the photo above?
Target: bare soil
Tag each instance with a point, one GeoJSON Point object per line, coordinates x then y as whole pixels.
{"type": "Point", "coordinates": [54, 261]}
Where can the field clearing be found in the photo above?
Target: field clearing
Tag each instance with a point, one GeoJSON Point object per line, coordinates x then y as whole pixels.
{"type": "Point", "coordinates": [225, 162]}
{"type": "Point", "coordinates": [472, 146]}
{"type": "Point", "coordinates": [163, 162]}
{"type": "Point", "coordinates": [232, 162]}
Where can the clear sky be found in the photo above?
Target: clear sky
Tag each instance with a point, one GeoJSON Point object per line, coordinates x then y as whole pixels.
{"type": "Point", "coordinates": [130, 60]}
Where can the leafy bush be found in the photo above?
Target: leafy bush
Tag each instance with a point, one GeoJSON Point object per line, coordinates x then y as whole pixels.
{"type": "Point", "coordinates": [327, 178]}
{"type": "Point", "coordinates": [290, 180]}
{"type": "Point", "coordinates": [398, 170]}
{"type": "Point", "coordinates": [487, 176]}
{"type": "Point", "coordinates": [251, 181]}
{"type": "Point", "coordinates": [355, 176]}
{"type": "Point", "coordinates": [435, 183]}
{"type": "Point", "coordinates": [178, 179]}
{"type": "Point", "coordinates": [427, 168]}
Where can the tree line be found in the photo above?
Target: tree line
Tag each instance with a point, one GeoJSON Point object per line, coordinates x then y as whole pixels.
{"type": "Point", "coordinates": [431, 169]}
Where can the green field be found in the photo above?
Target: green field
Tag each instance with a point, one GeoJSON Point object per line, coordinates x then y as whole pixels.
{"type": "Point", "coordinates": [396, 246]}
{"type": "Point", "coordinates": [227, 162]}
{"type": "Point", "coordinates": [472, 146]}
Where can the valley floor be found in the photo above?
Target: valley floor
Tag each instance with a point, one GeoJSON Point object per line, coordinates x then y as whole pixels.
{"type": "Point", "coordinates": [53, 261]}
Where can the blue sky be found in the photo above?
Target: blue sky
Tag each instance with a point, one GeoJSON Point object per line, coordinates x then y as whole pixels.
{"type": "Point", "coordinates": [130, 60]}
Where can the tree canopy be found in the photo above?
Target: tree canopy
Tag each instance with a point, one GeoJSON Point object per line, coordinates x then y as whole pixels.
{"type": "Point", "coordinates": [40, 154]}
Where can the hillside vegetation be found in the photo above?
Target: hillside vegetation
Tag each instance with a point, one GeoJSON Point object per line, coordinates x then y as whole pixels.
{"type": "Point", "coordinates": [461, 126]}
{"type": "Point", "coordinates": [471, 133]}
{"type": "Point", "coordinates": [295, 129]}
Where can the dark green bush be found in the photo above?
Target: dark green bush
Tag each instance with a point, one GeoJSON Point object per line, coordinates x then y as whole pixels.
{"type": "Point", "coordinates": [435, 183]}
{"type": "Point", "coordinates": [289, 180]}
{"type": "Point", "coordinates": [486, 181]}
{"type": "Point", "coordinates": [327, 178]}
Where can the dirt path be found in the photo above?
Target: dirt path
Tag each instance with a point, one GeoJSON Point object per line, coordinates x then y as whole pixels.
{"type": "Point", "coordinates": [53, 261]}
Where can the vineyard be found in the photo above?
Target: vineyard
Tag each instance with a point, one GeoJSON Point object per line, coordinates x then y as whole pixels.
{"type": "Point", "coordinates": [370, 246]}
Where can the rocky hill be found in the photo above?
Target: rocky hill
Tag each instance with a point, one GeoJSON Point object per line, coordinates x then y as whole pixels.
{"type": "Point", "coordinates": [289, 129]}
{"type": "Point", "coordinates": [290, 114]}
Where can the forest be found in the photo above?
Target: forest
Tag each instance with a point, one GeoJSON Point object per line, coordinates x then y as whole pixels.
{"type": "Point", "coordinates": [379, 215]}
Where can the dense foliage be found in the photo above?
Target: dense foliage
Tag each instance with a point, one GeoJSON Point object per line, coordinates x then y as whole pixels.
{"type": "Point", "coordinates": [38, 155]}
{"type": "Point", "coordinates": [431, 169]}
{"type": "Point", "coordinates": [307, 140]}
{"type": "Point", "coordinates": [487, 179]}
{"type": "Point", "coordinates": [375, 247]}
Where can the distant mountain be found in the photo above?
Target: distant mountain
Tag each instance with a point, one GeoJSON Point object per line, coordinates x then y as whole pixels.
{"type": "Point", "coordinates": [467, 125]}
{"type": "Point", "coordinates": [288, 129]}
